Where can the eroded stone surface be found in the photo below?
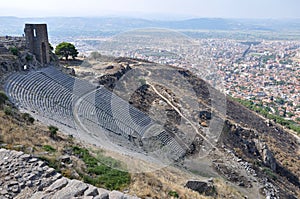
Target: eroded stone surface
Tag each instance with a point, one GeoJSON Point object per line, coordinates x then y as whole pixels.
{"type": "Point", "coordinates": [23, 176]}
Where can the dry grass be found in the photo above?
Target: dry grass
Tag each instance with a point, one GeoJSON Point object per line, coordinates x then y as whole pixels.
{"type": "Point", "coordinates": [159, 183]}
{"type": "Point", "coordinates": [32, 139]}
{"type": "Point", "coordinates": [283, 156]}
{"type": "Point", "coordinates": [14, 132]}
{"type": "Point", "coordinates": [286, 158]}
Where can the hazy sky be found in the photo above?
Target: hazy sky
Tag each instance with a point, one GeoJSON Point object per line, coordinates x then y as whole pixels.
{"type": "Point", "coordinates": [153, 8]}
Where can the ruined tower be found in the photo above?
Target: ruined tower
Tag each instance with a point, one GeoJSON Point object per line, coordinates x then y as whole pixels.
{"type": "Point", "coordinates": [37, 41]}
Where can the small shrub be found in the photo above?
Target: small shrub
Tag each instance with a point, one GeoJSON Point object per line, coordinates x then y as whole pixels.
{"type": "Point", "coordinates": [173, 194]}
{"type": "Point", "coordinates": [28, 58]}
{"type": "Point", "coordinates": [270, 173]}
{"type": "Point", "coordinates": [14, 51]}
{"type": "Point", "coordinates": [49, 148]}
{"type": "Point", "coordinates": [8, 110]}
{"type": "Point", "coordinates": [257, 163]}
{"type": "Point", "coordinates": [27, 117]}
{"type": "Point", "coordinates": [53, 131]}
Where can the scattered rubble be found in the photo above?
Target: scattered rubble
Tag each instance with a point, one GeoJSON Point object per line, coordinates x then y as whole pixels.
{"type": "Point", "coordinates": [202, 187]}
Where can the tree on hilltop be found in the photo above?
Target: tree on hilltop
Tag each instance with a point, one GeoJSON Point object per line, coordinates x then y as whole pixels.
{"type": "Point", "coordinates": [66, 49]}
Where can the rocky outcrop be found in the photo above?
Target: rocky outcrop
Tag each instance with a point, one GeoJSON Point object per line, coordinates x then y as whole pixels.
{"type": "Point", "coordinates": [110, 80]}
{"type": "Point", "coordinates": [202, 187]}
{"type": "Point", "coordinates": [23, 176]}
{"type": "Point", "coordinates": [20, 58]}
{"type": "Point", "coordinates": [267, 156]}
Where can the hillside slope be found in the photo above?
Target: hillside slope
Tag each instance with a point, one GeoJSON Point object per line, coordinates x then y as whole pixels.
{"type": "Point", "coordinates": [267, 151]}
{"type": "Point", "coordinates": [221, 138]}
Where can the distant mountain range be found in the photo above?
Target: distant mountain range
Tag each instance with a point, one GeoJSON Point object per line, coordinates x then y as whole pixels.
{"type": "Point", "coordinates": [81, 26]}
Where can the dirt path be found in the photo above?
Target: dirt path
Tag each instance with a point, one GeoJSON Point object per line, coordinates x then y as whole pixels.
{"type": "Point", "coordinates": [178, 111]}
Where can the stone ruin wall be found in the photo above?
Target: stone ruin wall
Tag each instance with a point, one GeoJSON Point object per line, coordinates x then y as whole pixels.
{"type": "Point", "coordinates": [37, 41]}
{"type": "Point", "coordinates": [33, 51]}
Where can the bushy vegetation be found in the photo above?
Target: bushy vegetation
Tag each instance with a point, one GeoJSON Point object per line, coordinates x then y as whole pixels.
{"type": "Point", "coordinates": [8, 110]}
{"type": "Point", "coordinates": [270, 173]}
{"type": "Point", "coordinates": [29, 58]}
{"type": "Point", "coordinates": [14, 51]}
{"type": "Point", "coordinates": [27, 117]}
{"type": "Point", "coordinates": [53, 131]}
{"type": "Point", "coordinates": [173, 194]}
{"type": "Point", "coordinates": [49, 148]}
{"type": "Point", "coordinates": [265, 112]}
{"type": "Point", "coordinates": [66, 49]}
{"type": "Point", "coordinates": [99, 174]}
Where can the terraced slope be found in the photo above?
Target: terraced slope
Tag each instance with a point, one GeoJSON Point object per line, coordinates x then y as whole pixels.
{"type": "Point", "coordinates": [81, 106]}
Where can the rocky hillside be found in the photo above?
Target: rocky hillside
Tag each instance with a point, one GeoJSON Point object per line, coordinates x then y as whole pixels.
{"type": "Point", "coordinates": [14, 55]}
{"type": "Point", "coordinates": [252, 152]}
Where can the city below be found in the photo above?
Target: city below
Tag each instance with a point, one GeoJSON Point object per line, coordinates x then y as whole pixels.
{"type": "Point", "coordinates": [265, 75]}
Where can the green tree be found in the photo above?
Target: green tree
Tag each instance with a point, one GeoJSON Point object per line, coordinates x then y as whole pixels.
{"type": "Point", "coordinates": [66, 49]}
